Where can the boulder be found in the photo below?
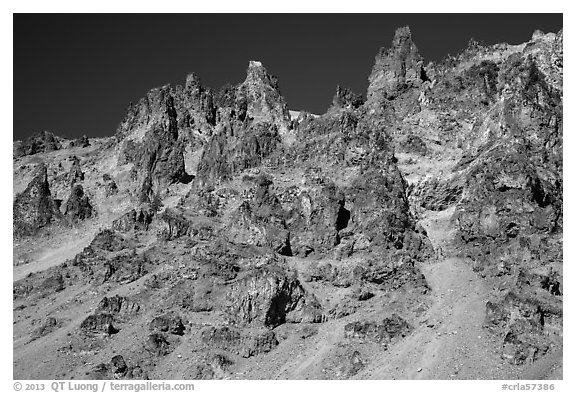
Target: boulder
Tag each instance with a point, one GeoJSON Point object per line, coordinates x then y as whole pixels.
{"type": "Point", "coordinates": [99, 323]}
{"type": "Point", "coordinates": [157, 344]}
{"type": "Point", "coordinates": [169, 323]}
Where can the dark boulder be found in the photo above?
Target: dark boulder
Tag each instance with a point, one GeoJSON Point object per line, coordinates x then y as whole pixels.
{"type": "Point", "coordinates": [158, 344]}
{"type": "Point", "coordinates": [99, 323]}
{"type": "Point", "coordinates": [118, 366]}
{"type": "Point", "coordinates": [168, 323]}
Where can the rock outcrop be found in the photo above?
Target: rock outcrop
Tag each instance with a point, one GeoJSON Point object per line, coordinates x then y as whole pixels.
{"type": "Point", "coordinates": [231, 227]}
{"type": "Point", "coordinates": [41, 142]}
{"type": "Point", "coordinates": [121, 307]}
{"type": "Point", "coordinates": [75, 174]}
{"type": "Point", "coordinates": [153, 147]}
{"type": "Point", "coordinates": [261, 221]}
{"type": "Point", "coordinates": [169, 323]}
{"type": "Point", "coordinates": [396, 69]}
{"type": "Point", "coordinates": [135, 219]}
{"type": "Point", "coordinates": [247, 344]}
{"type": "Point", "coordinates": [269, 296]}
{"type": "Point", "coordinates": [78, 206]}
{"type": "Point", "coordinates": [34, 208]}
{"type": "Point", "coordinates": [391, 328]}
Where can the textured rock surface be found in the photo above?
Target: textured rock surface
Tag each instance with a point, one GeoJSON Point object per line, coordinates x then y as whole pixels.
{"type": "Point", "coordinates": [134, 219]}
{"type": "Point", "coordinates": [34, 208]}
{"type": "Point", "coordinates": [390, 328]}
{"type": "Point", "coordinates": [414, 233]}
{"type": "Point", "coordinates": [40, 142]}
{"type": "Point", "coordinates": [264, 296]}
{"type": "Point", "coordinates": [78, 206]}
{"type": "Point", "coordinates": [396, 69]}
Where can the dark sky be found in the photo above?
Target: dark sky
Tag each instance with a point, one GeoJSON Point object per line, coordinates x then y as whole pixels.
{"type": "Point", "coordinates": [76, 74]}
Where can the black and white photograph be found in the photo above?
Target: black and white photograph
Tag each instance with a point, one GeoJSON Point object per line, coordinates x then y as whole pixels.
{"type": "Point", "coordinates": [287, 196]}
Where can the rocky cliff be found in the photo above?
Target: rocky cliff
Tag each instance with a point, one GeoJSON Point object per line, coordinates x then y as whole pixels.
{"type": "Point", "coordinates": [214, 236]}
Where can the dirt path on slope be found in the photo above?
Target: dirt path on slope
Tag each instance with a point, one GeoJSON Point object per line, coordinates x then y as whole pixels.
{"type": "Point", "coordinates": [450, 342]}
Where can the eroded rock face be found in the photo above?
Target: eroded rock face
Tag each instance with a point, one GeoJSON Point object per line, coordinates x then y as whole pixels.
{"type": "Point", "coordinates": [98, 323]}
{"type": "Point", "coordinates": [150, 139]}
{"type": "Point", "coordinates": [75, 174]}
{"type": "Point", "coordinates": [233, 150]}
{"type": "Point", "coordinates": [176, 225]}
{"type": "Point", "coordinates": [327, 192]}
{"type": "Point", "coordinates": [34, 208]}
{"type": "Point", "coordinates": [246, 344]}
{"type": "Point", "coordinates": [252, 120]}
{"type": "Point", "coordinates": [509, 218]}
{"type": "Point", "coordinates": [158, 344]}
{"type": "Point", "coordinates": [78, 206]}
{"type": "Point", "coordinates": [316, 216]}
{"type": "Point", "coordinates": [346, 98]}
{"type": "Point", "coordinates": [120, 307]}
{"type": "Point", "coordinates": [212, 366]}
{"type": "Point", "coordinates": [265, 295]}
{"type": "Point", "coordinates": [135, 219]}
{"type": "Point", "coordinates": [169, 322]}
{"type": "Point", "coordinates": [435, 194]}
{"type": "Point", "coordinates": [391, 328]}
{"type": "Point", "coordinates": [106, 240]}
{"type": "Point", "coordinates": [105, 260]}
{"type": "Point", "coordinates": [81, 142]}
{"type": "Point", "coordinates": [261, 221]}
{"type": "Point", "coordinates": [396, 69]}
{"type": "Point", "coordinates": [41, 142]}
{"type": "Point", "coordinates": [521, 320]}
{"type": "Point", "coordinates": [264, 102]}
{"type": "Point", "coordinates": [196, 111]}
